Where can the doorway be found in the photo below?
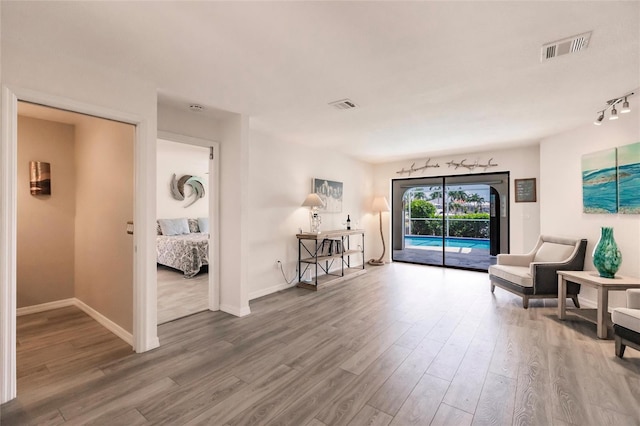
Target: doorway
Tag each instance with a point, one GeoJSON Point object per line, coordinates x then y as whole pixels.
{"type": "Point", "coordinates": [183, 259]}
{"type": "Point", "coordinates": [187, 192]}
{"type": "Point", "coordinates": [459, 221]}
{"type": "Point", "coordinates": [74, 258]}
{"type": "Point", "coordinates": [144, 334]}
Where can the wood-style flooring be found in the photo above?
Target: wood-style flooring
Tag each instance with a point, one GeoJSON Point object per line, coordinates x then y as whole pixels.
{"type": "Point", "coordinates": [401, 345]}
{"type": "Point", "coordinates": [179, 296]}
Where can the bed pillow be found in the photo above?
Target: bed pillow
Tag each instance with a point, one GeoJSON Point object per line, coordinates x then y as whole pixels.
{"type": "Point", "coordinates": [174, 226]}
{"type": "Point", "coordinates": [193, 226]}
{"type": "Point", "coordinates": [158, 229]}
{"type": "Point", "coordinates": [203, 224]}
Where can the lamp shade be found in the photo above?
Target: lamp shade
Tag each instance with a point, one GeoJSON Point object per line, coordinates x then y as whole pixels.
{"type": "Point", "coordinates": [380, 204]}
{"type": "Point", "coordinates": [312, 200]}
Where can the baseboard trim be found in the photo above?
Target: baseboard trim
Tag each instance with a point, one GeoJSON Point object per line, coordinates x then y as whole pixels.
{"type": "Point", "coordinates": [238, 312]}
{"type": "Point", "coordinates": [43, 307]}
{"type": "Point", "coordinates": [106, 322]}
{"type": "Point", "coordinates": [101, 319]}
{"type": "Point", "coordinates": [267, 291]}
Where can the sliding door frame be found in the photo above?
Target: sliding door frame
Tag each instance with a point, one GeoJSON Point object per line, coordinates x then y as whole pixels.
{"type": "Point", "coordinates": [399, 187]}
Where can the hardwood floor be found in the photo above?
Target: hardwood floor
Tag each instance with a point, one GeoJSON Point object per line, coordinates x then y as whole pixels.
{"type": "Point", "coordinates": [401, 345]}
{"type": "Point", "coordinates": [179, 296]}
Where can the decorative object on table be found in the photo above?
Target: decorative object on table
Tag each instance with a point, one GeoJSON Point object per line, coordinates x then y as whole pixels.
{"type": "Point", "coordinates": [330, 192]}
{"type": "Point", "coordinates": [599, 182]}
{"type": "Point", "coordinates": [629, 179]}
{"type": "Point", "coordinates": [348, 222]}
{"type": "Point", "coordinates": [606, 256]}
{"type": "Point", "coordinates": [40, 178]}
{"type": "Point", "coordinates": [525, 190]}
{"type": "Point", "coordinates": [177, 188]}
{"type": "Point", "coordinates": [314, 202]}
{"type": "Point", "coordinates": [380, 205]}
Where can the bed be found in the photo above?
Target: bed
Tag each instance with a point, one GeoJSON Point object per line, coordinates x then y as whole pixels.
{"type": "Point", "coordinates": [187, 252]}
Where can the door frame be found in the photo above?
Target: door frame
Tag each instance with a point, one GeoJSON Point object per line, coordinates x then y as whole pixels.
{"type": "Point", "coordinates": [214, 210]}
{"type": "Point", "coordinates": [145, 333]}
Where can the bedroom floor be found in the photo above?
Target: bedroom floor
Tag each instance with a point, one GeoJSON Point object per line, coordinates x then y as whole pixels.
{"type": "Point", "coordinates": [179, 297]}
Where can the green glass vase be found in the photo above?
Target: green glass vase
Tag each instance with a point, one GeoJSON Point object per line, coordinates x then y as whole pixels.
{"type": "Point", "coordinates": [606, 256]}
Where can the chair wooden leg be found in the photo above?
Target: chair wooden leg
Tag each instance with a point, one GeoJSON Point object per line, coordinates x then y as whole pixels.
{"type": "Point", "coordinates": [575, 301]}
{"type": "Point", "coordinates": [619, 347]}
{"type": "Point", "coordinates": [493, 287]}
{"type": "Point", "coordinates": [525, 302]}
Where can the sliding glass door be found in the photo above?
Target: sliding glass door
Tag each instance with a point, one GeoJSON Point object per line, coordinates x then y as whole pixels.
{"type": "Point", "coordinates": [454, 221]}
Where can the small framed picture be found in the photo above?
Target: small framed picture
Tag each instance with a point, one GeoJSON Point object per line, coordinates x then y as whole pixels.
{"type": "Point", "coordinates": [526, 190]}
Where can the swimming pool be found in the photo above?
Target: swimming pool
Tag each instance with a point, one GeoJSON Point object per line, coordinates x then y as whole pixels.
{"type": "Point", "coordinates": [430, 241]}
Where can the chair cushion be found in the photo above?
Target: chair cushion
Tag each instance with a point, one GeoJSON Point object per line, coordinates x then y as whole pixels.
{"type": "Point", "coordinates": [519, 275]}
{"type": "Point", "coordinates": [627, 318]}
{"type": "Point", "coordinates": [553, 252]}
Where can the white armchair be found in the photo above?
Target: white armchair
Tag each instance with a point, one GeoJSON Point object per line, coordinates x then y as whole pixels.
{"type": "Point", "coordinates": [534, 275]}
{"type": "Point", "coordinates": [626, 323]}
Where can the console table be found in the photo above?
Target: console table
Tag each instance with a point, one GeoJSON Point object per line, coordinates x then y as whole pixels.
{"type": "Point", "coordinates": [319, 252]}
{"type": "Point", "coordinates": [599, 316]}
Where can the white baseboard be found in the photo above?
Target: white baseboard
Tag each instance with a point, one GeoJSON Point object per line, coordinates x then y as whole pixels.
{"type": "Point", "coordinates": [238, 312]}
{"type": "Point", "coordinates": [104, 321]}
{"type": "Point", "coordinates": [267, 291]}
{"type": "Point", "coordinates": [43, 307]}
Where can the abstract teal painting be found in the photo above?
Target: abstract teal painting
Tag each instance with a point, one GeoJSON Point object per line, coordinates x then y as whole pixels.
{"type": "Point", "coordinates": [599, 182]}
{"type": "Point", "coordinates": [629, 179]}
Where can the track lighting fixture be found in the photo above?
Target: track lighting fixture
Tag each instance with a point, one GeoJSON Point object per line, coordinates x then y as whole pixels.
{"type": "Point", "coordinates": [611, 104]}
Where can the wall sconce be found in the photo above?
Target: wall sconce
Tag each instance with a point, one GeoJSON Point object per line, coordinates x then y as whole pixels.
{"type": "Point", "coordinates": [611, 104]}
{"type": "Point", "coordinates": [313, 201]}
{"type": "Point", "coordinates": [40, 178]}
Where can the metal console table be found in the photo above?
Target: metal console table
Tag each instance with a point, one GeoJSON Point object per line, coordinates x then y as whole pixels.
{"type": "Point", "coordinates": [319, 252]}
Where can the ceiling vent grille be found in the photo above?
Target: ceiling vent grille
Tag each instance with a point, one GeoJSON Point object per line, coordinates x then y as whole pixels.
{"type": "Point", "coordinates": [343, 104]}
{"type": "Point", "coordinates": [565, 46]}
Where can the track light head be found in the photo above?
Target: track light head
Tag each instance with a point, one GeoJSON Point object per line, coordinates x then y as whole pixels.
{"type": "Point", "coordinates": [625, 106]}
{"type": "Point", "coordinates": [614, 113]}
{"type": "Point", "coordinates": [599, 119]}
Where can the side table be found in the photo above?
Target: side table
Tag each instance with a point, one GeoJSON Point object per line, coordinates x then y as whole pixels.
{"type": "Point", "coordinates": [599, 316]}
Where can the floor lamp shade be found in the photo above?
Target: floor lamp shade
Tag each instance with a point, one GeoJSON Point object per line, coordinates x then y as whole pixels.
{"type": "Point", "coordinates": [380, 205]}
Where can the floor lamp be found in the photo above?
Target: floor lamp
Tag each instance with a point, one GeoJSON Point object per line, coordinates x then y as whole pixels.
{"type": "Point", "coordinates": [380, 205]}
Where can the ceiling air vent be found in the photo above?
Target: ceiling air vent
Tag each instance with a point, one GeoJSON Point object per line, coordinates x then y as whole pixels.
{"type": "Point", "coordinates": [567, 45]}
{"type": "Point", "coordinates": [343, 104]}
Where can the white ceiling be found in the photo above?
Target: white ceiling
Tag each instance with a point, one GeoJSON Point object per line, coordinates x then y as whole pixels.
{"type": "Point", "coordinates": [429, 77]}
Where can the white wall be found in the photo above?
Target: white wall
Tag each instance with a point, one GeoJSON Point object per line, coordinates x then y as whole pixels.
{"type": "Point", "coordinates": [181, 159]}
{"type": "Point", "coordinates": [561, 193]}
{"type": "Point", "coordinates": [520, 162]}
{"type": "Point", "coordinates": [280, 175]}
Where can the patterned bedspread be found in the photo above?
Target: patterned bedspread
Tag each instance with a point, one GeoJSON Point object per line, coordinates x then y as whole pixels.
{"type": "Point", "coordinates": [184, 252]}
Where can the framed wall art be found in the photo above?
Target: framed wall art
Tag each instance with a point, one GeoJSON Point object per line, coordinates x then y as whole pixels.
{"type": "Point", "coordinates": [330, 193]}
{"type": "Point", "coordinates": [525, 190]}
